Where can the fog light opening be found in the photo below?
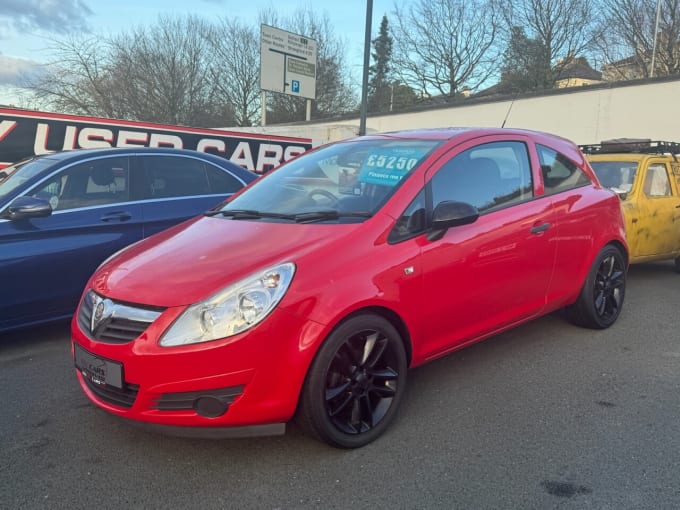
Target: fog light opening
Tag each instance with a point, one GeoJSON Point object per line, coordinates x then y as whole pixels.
{"type": "Point", "coordinates": [209, 406]}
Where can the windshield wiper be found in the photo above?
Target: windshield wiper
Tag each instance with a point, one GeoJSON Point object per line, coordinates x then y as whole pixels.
{"type": "Point", "coordinates": [250, 214]}
{"type": "Point", "coordinates": [305, 217]}
{"type": "Point", "coordinates": [310, 217]}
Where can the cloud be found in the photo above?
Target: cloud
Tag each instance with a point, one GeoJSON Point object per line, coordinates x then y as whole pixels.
{"type": "Point", "coordinates": [53, 16]}
{"type": "Point", "coordinates": [15, 71]}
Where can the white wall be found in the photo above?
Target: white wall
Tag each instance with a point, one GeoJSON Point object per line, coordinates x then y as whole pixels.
{"type": "Point", "coordinates": [584, 115]}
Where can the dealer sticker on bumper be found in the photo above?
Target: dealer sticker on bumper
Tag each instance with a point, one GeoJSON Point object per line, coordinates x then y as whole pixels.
{"type": "Point", "coordinates": [99, 371]}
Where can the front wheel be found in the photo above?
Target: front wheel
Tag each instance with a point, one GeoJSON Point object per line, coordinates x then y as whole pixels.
{"type": "Point", "coordinates": [599, 304]}
{"type": "Point", "coordinates": [355, 384]}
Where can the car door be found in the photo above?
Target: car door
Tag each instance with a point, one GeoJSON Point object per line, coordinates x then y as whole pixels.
{"type": "Point", "coordinates": [481, 277]}
{"type": "Point", "coordinates": [45, 262]}
{"type": "Point", "coordinates": [180, 187]}
{"type": "Point", "coordinates": [658, 212]}
{"type": "Point", "coordinates": [575, 220]}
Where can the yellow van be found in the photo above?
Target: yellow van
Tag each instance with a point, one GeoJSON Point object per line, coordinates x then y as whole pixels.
{"type": "Point", "coordinates": [646, 175]}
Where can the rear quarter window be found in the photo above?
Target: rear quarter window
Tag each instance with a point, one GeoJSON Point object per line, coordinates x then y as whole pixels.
{"type": "Point", "coordinates": [559, 172]}
{"type": "Point", "coordinates": [221, 181]}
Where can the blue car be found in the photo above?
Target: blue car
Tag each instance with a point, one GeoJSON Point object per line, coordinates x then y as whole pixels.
{"type": "Point", "coordinates": [63, 214]}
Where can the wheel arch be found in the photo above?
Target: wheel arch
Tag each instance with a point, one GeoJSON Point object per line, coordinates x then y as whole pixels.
{"type": "Point", "coordinates": [392, 317]}
{"type": "Point", "coordinates": [622, 248]}
{"type": "Point", "coordinates": [312, 413]}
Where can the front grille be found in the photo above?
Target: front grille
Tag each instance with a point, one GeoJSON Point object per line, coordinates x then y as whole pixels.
{"type": "Point", "coordinates": [124, 397]}
{"type": "Point", "coordinates": [120, 331]}
{"type": "Point", "coordinates": [85, 313]}
{"type": "Point", "coordinates": [118, 322]}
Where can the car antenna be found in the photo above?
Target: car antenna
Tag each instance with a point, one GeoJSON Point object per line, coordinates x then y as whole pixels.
{"type": "Point", "coordinates": [507, 114]}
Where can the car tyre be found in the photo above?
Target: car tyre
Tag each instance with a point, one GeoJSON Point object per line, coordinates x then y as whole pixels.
{"type": "Point", "coordinates": [677, 264]}
{"type": "Point", "coordinates": [601, 299]}
{"type": "Point", "coordinates": [355, 383]}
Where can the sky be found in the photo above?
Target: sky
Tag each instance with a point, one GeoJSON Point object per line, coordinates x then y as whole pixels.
{"type": "Point", "coordinates": [28, 26]}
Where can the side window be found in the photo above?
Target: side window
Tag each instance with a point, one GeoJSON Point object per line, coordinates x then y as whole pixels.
{"type": "Point", "coordinates": [559, 172]}
{"type": "Point", "coordinates": [221, 181]}
{"type": "Point", "coordinates": [96, 182]}
{"type": "Point", "coordinates": [174, 176]}
{"type": "Point", "coordinates": [488, 176]}
{"type": "Point", "coordinates": [656, 181]}
{"type": "Point", "coordinates": [412, 222]}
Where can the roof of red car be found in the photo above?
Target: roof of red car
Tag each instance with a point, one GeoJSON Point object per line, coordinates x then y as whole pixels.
{"type": "Point", "coordinates": [453, 132]}
{"type": "Point", "coordinates": [560, 143]}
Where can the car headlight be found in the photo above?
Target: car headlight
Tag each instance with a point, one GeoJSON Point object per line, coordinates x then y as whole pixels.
{"type": "Point", "coordinates": [232, 310]}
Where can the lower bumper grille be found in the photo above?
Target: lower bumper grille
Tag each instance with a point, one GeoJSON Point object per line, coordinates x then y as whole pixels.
{"type": "Point", "coordinates": [208, 403]}
{"type": "Point", "coordinates": [124, 397]}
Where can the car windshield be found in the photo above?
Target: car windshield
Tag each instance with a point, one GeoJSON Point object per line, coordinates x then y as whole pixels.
{"type": "Point", "coordinates": [342, 182]}
{"type": "Point", "coordinates": [19, 173]}
{"type": "Point", "coordinates": [616, 175]}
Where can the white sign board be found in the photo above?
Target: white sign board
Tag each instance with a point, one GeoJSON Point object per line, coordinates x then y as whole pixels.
{"type": "Point", "coordinates": [287, 62]}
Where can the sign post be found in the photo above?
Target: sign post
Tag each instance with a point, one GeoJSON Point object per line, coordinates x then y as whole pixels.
{"type": "Point", "coordinates": [287, 64]}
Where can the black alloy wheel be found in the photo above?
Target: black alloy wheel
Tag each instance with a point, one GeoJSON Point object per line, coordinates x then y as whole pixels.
{"type": "Point", "coordinates": [601, 298]}
{"type": "Point", "coordinates": [355, 383]}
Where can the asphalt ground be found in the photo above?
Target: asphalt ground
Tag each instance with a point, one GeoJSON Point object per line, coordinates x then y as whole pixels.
{"type": "Point", "coordinates": [545, 416]}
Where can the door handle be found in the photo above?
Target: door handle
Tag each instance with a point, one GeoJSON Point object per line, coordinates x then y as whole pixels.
{"type": "Point", "coordinates": [116, 216]}
{"type": "Point", "coordinates": [537, 229]}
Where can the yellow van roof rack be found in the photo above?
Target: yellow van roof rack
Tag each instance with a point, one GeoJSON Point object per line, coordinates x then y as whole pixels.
{"type": "Point", "coordinates": [632, 145]}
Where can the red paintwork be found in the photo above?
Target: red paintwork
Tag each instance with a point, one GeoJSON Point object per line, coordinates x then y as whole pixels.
{"type": "Point", "coordinates": [477, 280]}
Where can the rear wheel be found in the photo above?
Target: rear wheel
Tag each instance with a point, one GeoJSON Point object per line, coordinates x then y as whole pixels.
{"type": "Point", "coordinates": [355, 384]}
{"type": "Point", "coordinates": [601, 298]}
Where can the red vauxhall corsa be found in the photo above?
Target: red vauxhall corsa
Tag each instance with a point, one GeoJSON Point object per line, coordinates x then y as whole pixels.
{"type": "Point", "coordinates": [310, 293]}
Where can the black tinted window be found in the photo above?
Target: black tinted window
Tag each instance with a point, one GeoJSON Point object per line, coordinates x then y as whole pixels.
{"type": "Point", "coordinates": [559, 172]}
{"type": "Point", "coordinates": [221, 181]}
{"type": "Point", "coordinates": [174, 176]}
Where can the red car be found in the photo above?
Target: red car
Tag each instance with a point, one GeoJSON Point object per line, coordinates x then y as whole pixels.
{"type": "Point", "coordinates": [310, 293]}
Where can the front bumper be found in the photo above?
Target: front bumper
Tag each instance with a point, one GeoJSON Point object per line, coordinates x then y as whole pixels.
{"type": "Point", "coordinates": [251, 379]}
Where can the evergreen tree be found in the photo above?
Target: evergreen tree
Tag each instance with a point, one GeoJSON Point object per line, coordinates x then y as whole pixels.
{"type": "Point", "coordinates": [380, 92]}
{"type": "Point", "coordinates": [526, 64]}
{"type": "Point", "coordinates": [401, 96]}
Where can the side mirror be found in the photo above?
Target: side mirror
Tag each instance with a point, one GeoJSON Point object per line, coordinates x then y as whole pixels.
{"type": "Point", "coordinates": [621, 194]}
{"type": "Point", "coordinates": [23, 208]}
{"type": "Point", "coordinates": [451, 214]}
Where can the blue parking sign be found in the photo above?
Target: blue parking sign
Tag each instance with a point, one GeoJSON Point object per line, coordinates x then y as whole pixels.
{"type": "Point", "coordinates": [295, 86]}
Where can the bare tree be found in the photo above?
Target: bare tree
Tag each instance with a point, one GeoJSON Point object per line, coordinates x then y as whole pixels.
{"type": "Point", "coordinates": [235, 68]}
{"type": "Point", "coordinates": [441, 46]}
{"type": "Point", "coordinates": [77, 78]}
{"type": "Point", "coordinates": [627, 39]}
{"type": "Point", "coordinates": [334, 95]}
{"type": "Point", "coordinates": [566, 29]}
{"type": "Point", "coordinates": [164, 72]}
{"type": "Point", "coordinates": [159, 73]}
